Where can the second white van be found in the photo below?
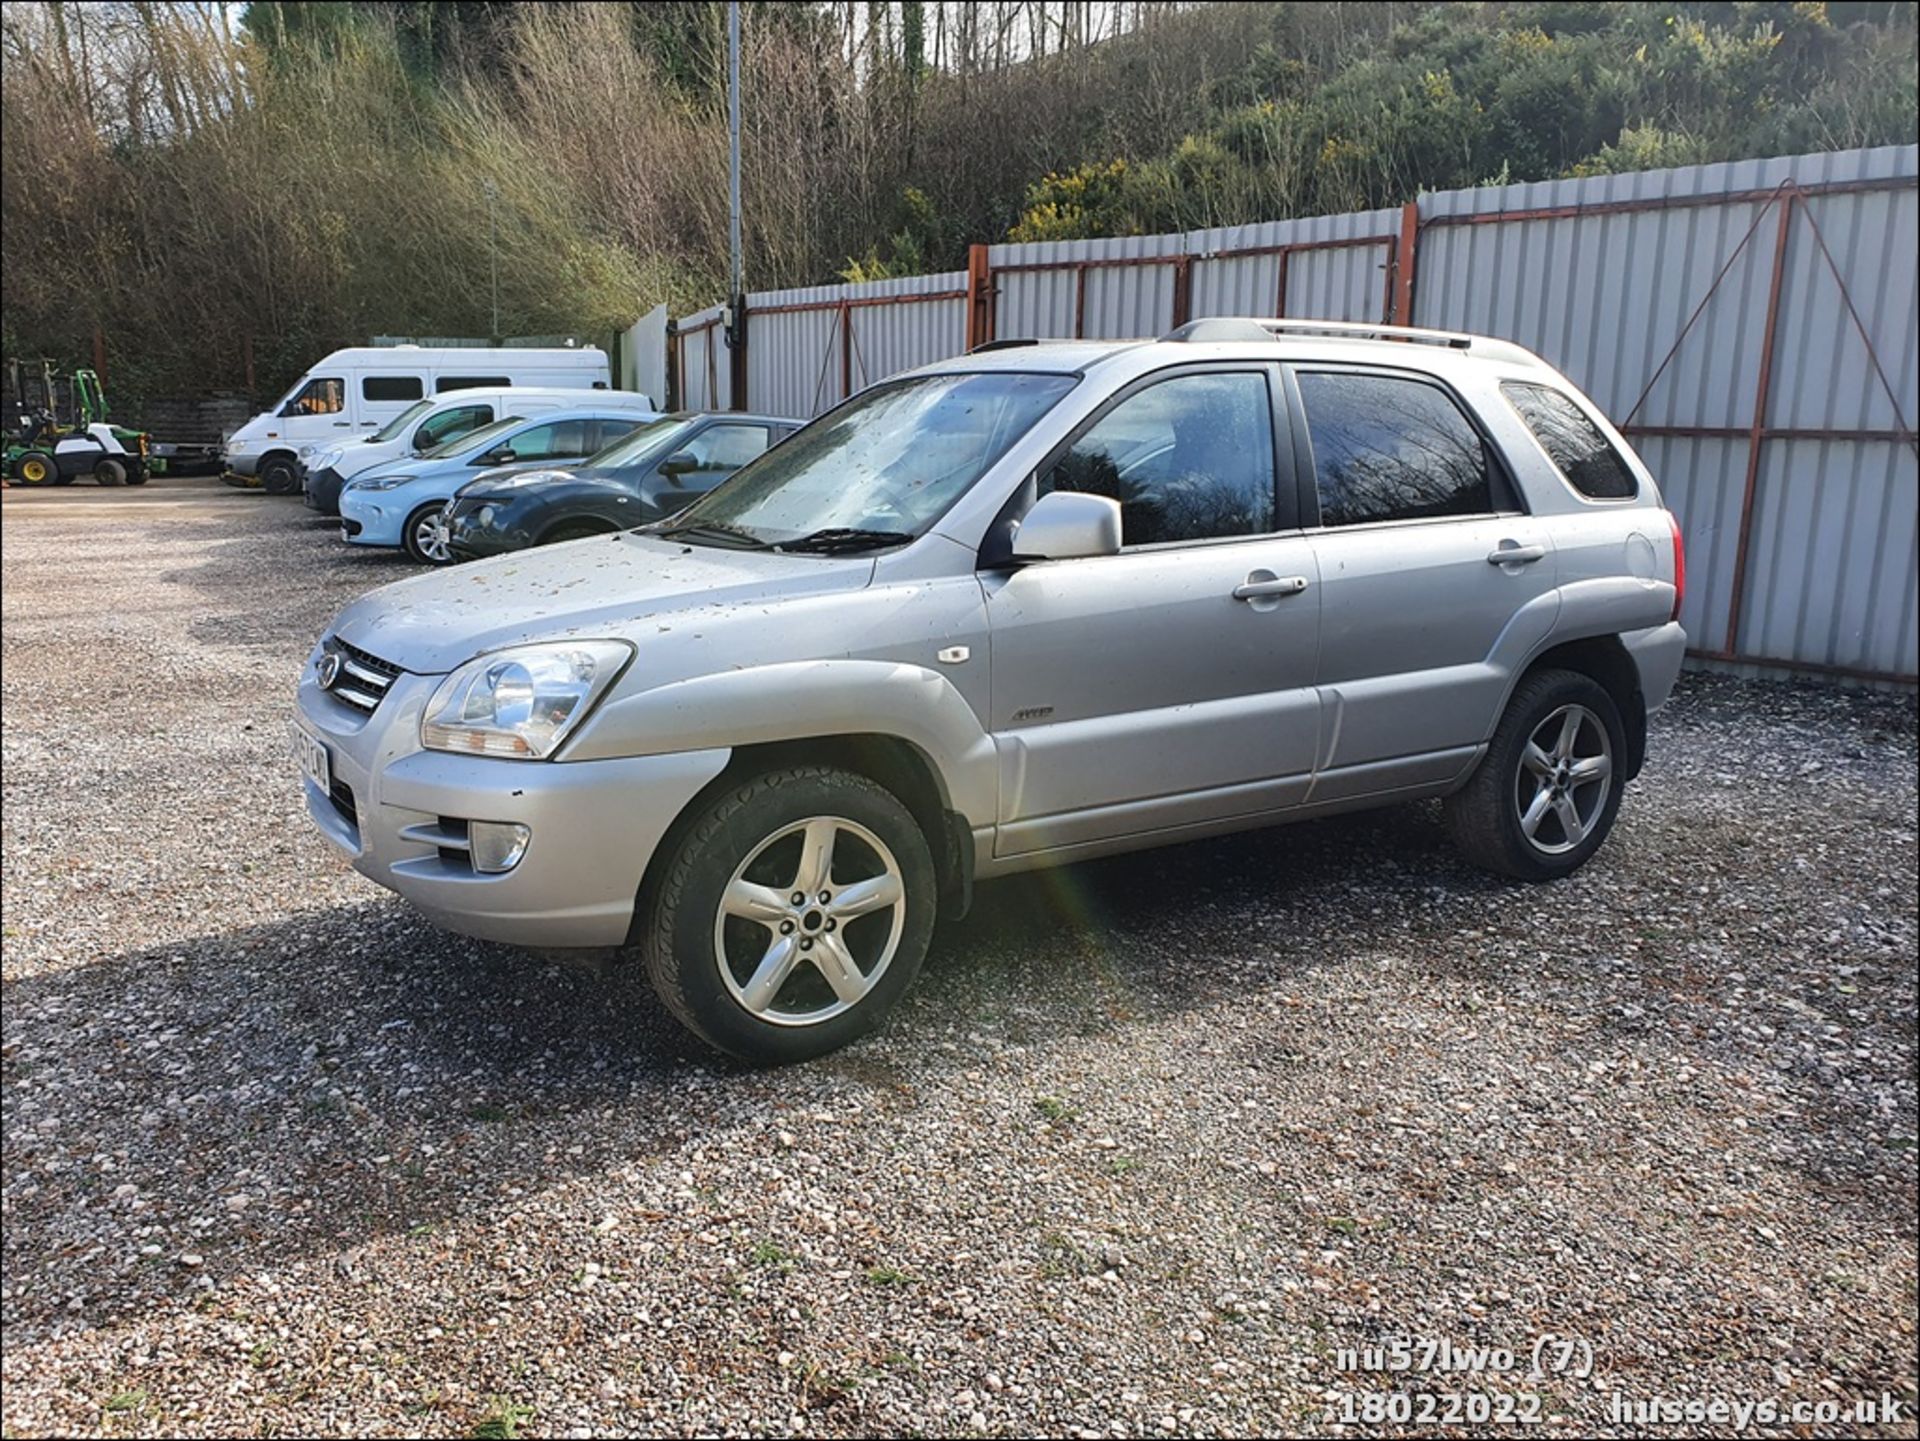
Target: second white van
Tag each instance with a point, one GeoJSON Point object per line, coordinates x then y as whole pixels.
{"type": "Point", "coordinates": [358, 390]}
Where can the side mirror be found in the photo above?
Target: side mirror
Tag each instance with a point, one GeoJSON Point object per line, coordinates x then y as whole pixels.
{"type": "Point", "coordinates": [1067, 525]}
{"type": "Point", "coordinates": [679, 463]}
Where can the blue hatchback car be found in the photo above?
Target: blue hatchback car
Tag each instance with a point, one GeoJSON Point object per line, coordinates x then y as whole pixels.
{"type": "Point", "coordinates": [400, 503]}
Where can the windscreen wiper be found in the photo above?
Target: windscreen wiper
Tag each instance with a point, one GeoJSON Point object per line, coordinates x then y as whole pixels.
{"type": "Point", "coordinates": [846, 538]}
{"type": "Point", "coordinates": [715, 530]}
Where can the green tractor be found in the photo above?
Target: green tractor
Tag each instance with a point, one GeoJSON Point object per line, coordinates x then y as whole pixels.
{"type": "Point", "coordinates": [42, 449]}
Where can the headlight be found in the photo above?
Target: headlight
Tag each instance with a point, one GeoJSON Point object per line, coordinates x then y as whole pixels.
{"type": "Point", "coordinates": [522, 701]}
{"type": "Point", "coordinates": [487, 514]}
{"type": "Point", "coordinates": [379, 482]}
{"type": "Point", "coordinates": [323, 459]}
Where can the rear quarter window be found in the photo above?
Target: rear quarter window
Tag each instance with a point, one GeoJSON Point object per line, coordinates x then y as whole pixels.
{"type": "Point", "coordinates": [1572, 442]}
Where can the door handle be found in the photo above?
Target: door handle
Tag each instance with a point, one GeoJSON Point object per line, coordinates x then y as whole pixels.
{"type": "Point", "coordinates": [1516, 554]}
{"type": "Point", "coordinates": [1259, 589]}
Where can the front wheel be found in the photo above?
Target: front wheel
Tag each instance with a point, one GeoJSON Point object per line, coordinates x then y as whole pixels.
{"type": "Point", "coordinates": [791, 915]}
{"type": "Point", "coordinates": [426, 536]}
{"type": "Point", "coordinates": [109, 471]}
{"type": "Point", "coordinates": [280, 476]}
{"type": "Point", "coordinates": [1546, 793]}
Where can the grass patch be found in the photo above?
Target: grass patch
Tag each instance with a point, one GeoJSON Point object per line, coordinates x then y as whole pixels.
{"type": "Point", "coordinates": [770, 1253]}
{"type": "Point", "coordinates": [502, 1421]}
{"type": "Point", "coordinates": [889, 1276]}
{"type": "Point", "coordinates": [1055, 1110]}
{"type": "Point", "coordinates": [487, 1113]}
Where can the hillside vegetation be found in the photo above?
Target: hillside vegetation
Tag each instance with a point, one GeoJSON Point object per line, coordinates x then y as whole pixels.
{"type": "Point", "coordinates": [323, 172]}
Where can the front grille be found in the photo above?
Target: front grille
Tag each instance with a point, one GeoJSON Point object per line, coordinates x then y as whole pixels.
{"type": "Point", "coordinates": [364, 678]}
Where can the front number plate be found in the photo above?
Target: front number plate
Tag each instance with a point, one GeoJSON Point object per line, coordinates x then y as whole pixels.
{"type": "Point", "coordinates": [315, 762]}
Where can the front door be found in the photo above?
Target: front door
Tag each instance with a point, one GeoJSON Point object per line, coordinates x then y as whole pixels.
{"type": "Point", "coordinates": [1172, 683]}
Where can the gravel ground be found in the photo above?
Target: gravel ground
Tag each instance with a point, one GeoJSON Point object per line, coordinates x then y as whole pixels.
{"type": "Point", "coordinates": [1152, 1142]}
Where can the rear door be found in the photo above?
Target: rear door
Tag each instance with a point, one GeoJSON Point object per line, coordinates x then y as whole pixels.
{"type": "Point", "coordinates": [1433, 577]}
{"type": "Point", "coordinates": [1172, 683]}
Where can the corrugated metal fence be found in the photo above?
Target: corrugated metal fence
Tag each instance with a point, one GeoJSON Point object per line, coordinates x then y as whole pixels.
{"type": "Point", "coordinates": [1754, 327]}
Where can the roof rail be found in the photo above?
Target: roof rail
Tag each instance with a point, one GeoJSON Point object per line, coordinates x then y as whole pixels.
{"type": "Point", "coordinates": [1235, 328]}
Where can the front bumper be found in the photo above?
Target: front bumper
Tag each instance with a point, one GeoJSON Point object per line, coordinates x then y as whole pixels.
{"type": "Point", "coordinates": [322, 490]}
{"type": "Point", "coordinates": [475, 540]}
{"type": "Point", "coordinates": [377, 516]}
{"type": "Point", "coordinates": [239, 464]}
{"type": "Point", "coordinates": [595, 824]}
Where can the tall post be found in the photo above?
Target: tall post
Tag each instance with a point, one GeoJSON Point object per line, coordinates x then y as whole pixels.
{"type": "Point", "coordinates": [493, 250]}
{"type": "Point", "coordinates": [100, 353]}
{"type": "Point", "coordinates": [979, 297]}
{"type": "Point", "coordinates": [1401, 312]}
{"type": "Point", "coordinates": [1757, 430]}
{"type": "Point", "coordinates": [737, 282]}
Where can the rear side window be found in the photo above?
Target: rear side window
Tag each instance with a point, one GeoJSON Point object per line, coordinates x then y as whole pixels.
{"type": "Point", "coordinates": [1388, 448]}
{"type": "Point", "coordinates": [1573, 442]}
{"type": "Point", "coordinates": [470, 382]}
{"type": "Point", "coordinates": [1189, 458]}
{"type": "Point", "coordinates": [391, 387]}
{"type": "Point", "coordinates": [603, 433]}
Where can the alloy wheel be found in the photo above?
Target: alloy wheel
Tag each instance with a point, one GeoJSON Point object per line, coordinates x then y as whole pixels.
{"type": "Point", "coordinates": [1561, 784]}
{"type": "Point", "coordinates": [810, 921]}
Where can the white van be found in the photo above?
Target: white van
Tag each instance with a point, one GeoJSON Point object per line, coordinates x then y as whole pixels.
{"type": "Point", "coordinates": [356, 391]}
{"type": "Point", "coordinates": [328, 465]}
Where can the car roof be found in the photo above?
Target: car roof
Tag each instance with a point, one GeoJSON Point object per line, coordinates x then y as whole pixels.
{"type": "Point", "coordinates": [1245, 338]}
{"type": "Point", "coordinates": [754, 416]}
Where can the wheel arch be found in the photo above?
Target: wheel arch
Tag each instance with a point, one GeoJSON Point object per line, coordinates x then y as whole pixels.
{"type": "Point", "coordinates": [586, 525]}
{"type": "Point", "coordinates": [1603, 659]}
{"type": "Point", "coordinates": [891, 761]}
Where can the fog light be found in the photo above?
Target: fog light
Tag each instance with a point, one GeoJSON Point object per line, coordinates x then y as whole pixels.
{"type": "Point", "coordinates": [497, 845]}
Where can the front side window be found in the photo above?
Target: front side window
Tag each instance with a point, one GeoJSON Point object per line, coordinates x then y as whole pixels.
{"type": "Point", "coordinates": [1189, 458]}
{"type": "Point", "coordinates": [547, 442]}
{"type": "Point", "coordinates": [476, 442]}
{"type": "Point", "coordinates": [317, 397]}
{"type": "Point", "coordinates": [388, 388]}
{"type": "Point", "coordinates": [1573, 442]}
{"type": "Point", "coordinates": [1387, 448]}
{"type": "Point", "coordinates": [398, 425]}
{"type": "Point", "coordinates": [722, 449]}
{"type": "Point", "coordinates": [881, 468]}
{"type": "Point", "coordinates": [451, 425]}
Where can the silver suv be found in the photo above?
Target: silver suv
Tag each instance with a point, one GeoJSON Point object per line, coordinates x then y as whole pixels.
{"type": "Point", "coordinates": [1039, 603]}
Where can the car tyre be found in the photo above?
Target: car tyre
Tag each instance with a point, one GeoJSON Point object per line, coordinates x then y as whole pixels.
{"type": "Point", "coordinates": [1544, 797]}
{"type": "Point", "coordinates": [280, 476]}
{"type": "Point", "coordinates": [108, 471]}
{"type": "Point", "coordinates": [36, 467]}
{"type": "Point", "coordinates": [421, 536]}
{"type": "Point", "coordinates": [756, 973]}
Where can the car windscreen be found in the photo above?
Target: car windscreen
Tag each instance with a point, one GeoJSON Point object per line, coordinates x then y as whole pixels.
{"type": "Point", "coordinates": [401, 421]}
{"type": "Point", "coordinates": [475, 441]}
{"type": "Point", "coordinates": [636, 446]}
{"type": "Point", "coordinates": [888, 463]}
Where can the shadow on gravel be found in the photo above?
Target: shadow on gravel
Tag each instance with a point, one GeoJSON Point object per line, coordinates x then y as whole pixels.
{"type": "Point", "coordinates": [355, 1073]}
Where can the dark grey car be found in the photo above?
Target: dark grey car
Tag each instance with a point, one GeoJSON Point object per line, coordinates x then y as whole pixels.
{"type": "Point", "coordinates": [658, 470]}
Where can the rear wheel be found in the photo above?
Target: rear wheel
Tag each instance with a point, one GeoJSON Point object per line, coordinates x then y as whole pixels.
{"type": "Point", "coordinates": [36, 467]}
{"type": "Point", "coordinates": [1546, 793]}
{"type": "Point", "coordinates": [792, 914]}
{"type": "Point", "coordinates": [426, 536]}
{"type": "Point", "coordinates": [109, 471]}
{"type": "Point", "coordinates": [136, 475]}
{"type": "Point", "coordinates": [280, 476]}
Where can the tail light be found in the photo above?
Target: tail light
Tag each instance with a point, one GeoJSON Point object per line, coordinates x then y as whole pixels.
{"type": "Point", "coordinates": [1679, 566]}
